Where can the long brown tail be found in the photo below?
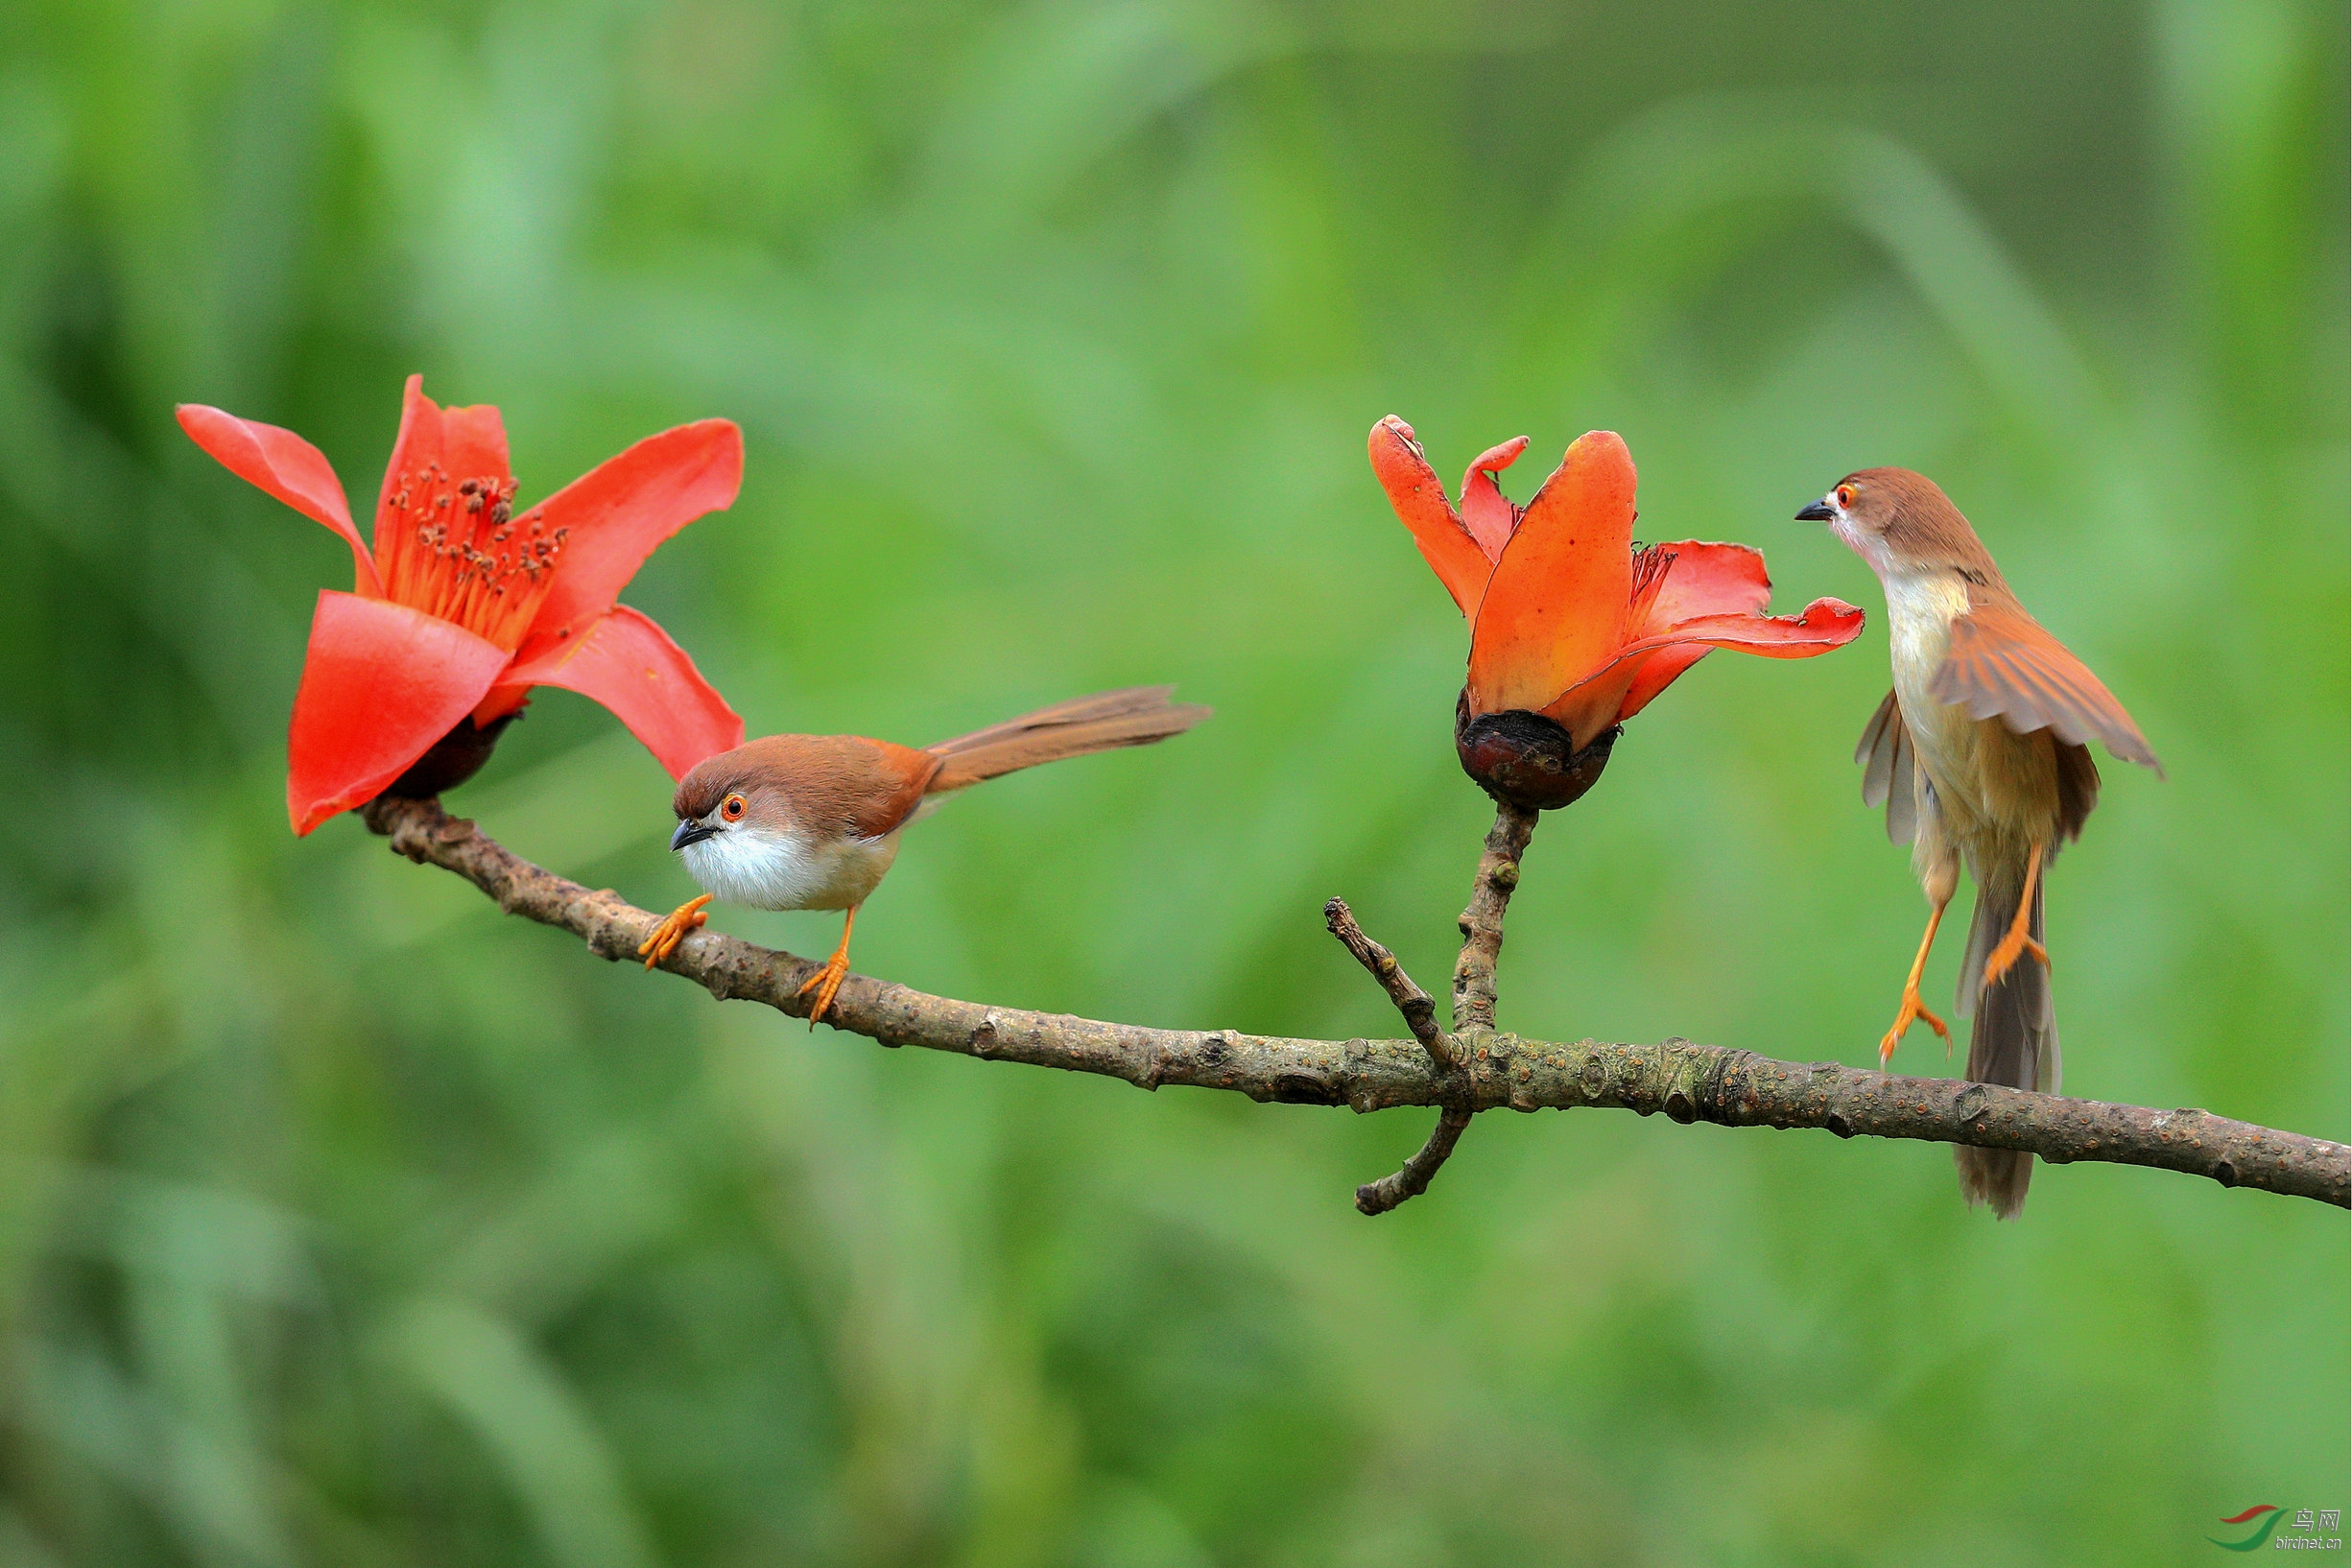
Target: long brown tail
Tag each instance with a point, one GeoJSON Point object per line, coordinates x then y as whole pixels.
{"type": "Point", "coordinates": [2016, 1042]}
{"type": "Point", "coordinates": [1136, 716]}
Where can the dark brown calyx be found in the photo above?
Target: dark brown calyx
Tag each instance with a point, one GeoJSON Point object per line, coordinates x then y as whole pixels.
{"type": "Point", "coordinates": [1526, 760]}
{"type": "Point", "coordinates": [454, 758]}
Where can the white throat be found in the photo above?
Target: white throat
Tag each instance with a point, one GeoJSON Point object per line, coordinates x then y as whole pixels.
{"type": "Point", "coordinates": [762, 869]}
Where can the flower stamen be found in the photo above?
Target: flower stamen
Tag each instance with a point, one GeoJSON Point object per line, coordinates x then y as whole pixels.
{"type": "Point", "coordinates": [1651, 566]}
{"type": "Point", "coordinates": [439, 549]}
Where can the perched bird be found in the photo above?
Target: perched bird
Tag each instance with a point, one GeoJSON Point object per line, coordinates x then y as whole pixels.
{"type": "Point", "coordinates": [1981, 755]}
{"type": "Point", "coordinates": [812, 822]}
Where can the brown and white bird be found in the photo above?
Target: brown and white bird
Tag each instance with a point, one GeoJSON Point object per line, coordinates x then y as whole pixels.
{"type": "Point", "coordinates": [1980, 754]}
{"type": "Point", "coordinates": [812, 822]}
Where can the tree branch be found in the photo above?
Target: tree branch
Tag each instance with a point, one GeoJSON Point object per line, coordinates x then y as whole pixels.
{"type": "Point", "coordinates": [1482, 923]}
{"type": "Point", "coordinates": [1420, 1015]}
{"type": "Point", "coordinates": [1689, 1083]}
{"type": "Point", "coordinates": [1474, 998]}
{"type": "Point", "coordinates": [1412, 1180]}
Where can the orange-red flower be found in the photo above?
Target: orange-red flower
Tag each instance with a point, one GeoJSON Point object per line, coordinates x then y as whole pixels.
{"type": "Point", "coordinates": [1569, 621]}
{"type": "Point", "coordinates": [466, 605]}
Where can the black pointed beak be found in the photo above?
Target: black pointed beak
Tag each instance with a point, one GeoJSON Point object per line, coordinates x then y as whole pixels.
{"type": "Point", "coordinates": [689, 832]}
{"type": "Point", "coordinates": [1816, 511]}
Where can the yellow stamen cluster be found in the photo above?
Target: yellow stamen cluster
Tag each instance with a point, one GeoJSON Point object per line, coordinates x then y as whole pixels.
{"type": "Point", "coordinates": [456, 550]}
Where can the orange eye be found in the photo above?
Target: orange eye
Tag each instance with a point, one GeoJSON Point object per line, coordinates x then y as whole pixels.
{"type": "Point", "coordinates": [1845, 496]}
{"type": "Point", "coordinates": [732, 808]}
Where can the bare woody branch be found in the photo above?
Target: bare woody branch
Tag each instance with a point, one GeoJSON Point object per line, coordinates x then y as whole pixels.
{"type": "Point", "coordinates": [1474, 999]}
{"type": "Point", "coordinates": [1689, 1083]}
{"type": "Point", "coordinates": [1420, 1015]}
{"type": "Point", "coordinates": [1412, 1180]}
{"type": "Point", "coordinates": [1482, 923]}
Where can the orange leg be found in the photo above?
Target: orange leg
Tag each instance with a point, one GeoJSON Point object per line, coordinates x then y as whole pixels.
{"type": "Point", "coordinates": [828, 979]}
{"type": "Point", "coordinates": [688, 916]}
{"type": "Point", "coordinates": [1912, 1007]}
{"type": "Point", "coordinates": [1997, 964]}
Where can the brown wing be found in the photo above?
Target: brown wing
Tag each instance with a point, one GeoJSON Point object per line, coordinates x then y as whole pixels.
{"type": "Point", "coordinates": [2003, 662]}
{"type": "Point", "coordinates": [1886, 757]}
{"type": "Point", "coordinates": [900, 776]}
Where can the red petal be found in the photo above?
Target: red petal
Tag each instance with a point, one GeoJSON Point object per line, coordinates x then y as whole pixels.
{"type": "Point", "coordinates": [1707, 580]}
{"type": "Point", "coordinates": [1420, 504]}
{"type": "Point", "coordinates": [381, 683]}
{"type": "Point", "coordinates": [288, 467]}
{"type": "Point", "coordinates": [1702, 579]}
{"type": "Point", "coordinates": [1486, 510]}
{"type": "Point", "coordinates": [630, 665]}
{"type": "Point", "coordinates": [1555, 610]}
{"type": "Point", "coordinates": [618, 512]}
{"type": "Point", "coordinates": [1654, 671]}
{"type": "Point", "coordinates": [1825, 624]}
{"type": "Point", "coordinates": [467, 442]}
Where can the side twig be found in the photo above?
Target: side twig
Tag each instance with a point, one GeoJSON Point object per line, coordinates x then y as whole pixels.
{"type": "Point", "coordinates": [1422, 1017]}
{"type": "Point", "coordinates": [1474, 996]}
{"type": "Point", "coordinates": [1689, 1083]}
{"type": "Point", "coordinates": [1412, 1179]}
{"type": "Point", "coordinates": [1420, 1012]}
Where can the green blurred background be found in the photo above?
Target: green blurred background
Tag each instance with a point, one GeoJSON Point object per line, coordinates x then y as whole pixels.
{"type": "Point", "coordinates": [344, 1221]}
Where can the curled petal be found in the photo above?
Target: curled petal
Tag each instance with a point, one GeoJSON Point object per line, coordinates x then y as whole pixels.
{"type": "Point", "coordinates": [1825, 624]}
{"type": "Point", "coordinates": [619, 511]}
{"type": "Point", "coordinates": [1626, 685]}
{"type": "Point", "coordinates": [1486, 510]}
{"type": "Point", "coordinates": [380, 684]}
{"type": "Point", "coordinates": [1696, 579]}
{"type": "Point", "coordinates": [630, 665]}
{"type": "Point", "coordinates": [1706, 580]}
{"type": "Point", "coordinates": [1556, 609]}
{"type": "Point", "coordinates": [287, 466]}
{"type": "Point", "coordinates": [1420, 504]}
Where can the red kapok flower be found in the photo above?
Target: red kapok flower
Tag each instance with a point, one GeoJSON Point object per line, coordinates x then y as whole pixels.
{"type": "Point", "coordinates": [1573, 630]}
{"type": "Point", "coordinates": [466, 605]}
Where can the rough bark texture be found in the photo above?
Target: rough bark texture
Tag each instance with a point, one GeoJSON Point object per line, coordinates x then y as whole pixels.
{"type": "Point", "coordinates": [1482, 923]}
{"type": "Point", "coordinates": [1445, 1053]}
{"type": "Point", "coordinates": [1412, 1003]}
{"type": "Point", "coordinates": [1689, 1083]}
{"type": "Point", "coordinates": [1413, 1178]}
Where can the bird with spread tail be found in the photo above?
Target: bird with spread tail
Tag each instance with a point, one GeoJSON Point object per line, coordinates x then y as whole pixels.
{"type": "Point", "coordinates": [812, 822]}
{"type": "Point", "coordinates": [1980, 754]}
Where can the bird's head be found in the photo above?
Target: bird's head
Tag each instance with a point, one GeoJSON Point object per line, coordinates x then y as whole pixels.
{"type": "Point", "coordinates": [1886, 516]}
{"type": "Point", "coordinates": [735, 825]}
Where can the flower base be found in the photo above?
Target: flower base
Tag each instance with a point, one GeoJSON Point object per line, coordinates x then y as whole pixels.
{"type": "Point", "coordinates": [1526, 760]}
{"type": "Point", "coordinates": [454, 758]}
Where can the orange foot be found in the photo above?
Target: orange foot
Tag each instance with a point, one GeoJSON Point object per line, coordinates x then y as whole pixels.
{"type": "Point", "coordinates": [2005, 956]}
{"type": "Point", "coordinates": [686, 918]}
{"type": "Point", "coordinates": [824, 983]}
{"type": "Point", "coordinates": [828, 979]}
{"type": "Point", "coordinates": [2019, 938]}
{"type": "Point", "coordinates": [1912, 1007]}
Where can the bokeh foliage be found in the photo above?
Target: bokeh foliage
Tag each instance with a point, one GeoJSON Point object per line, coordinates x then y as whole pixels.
{"type": "Point", "coordinates": [341, 1222]}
